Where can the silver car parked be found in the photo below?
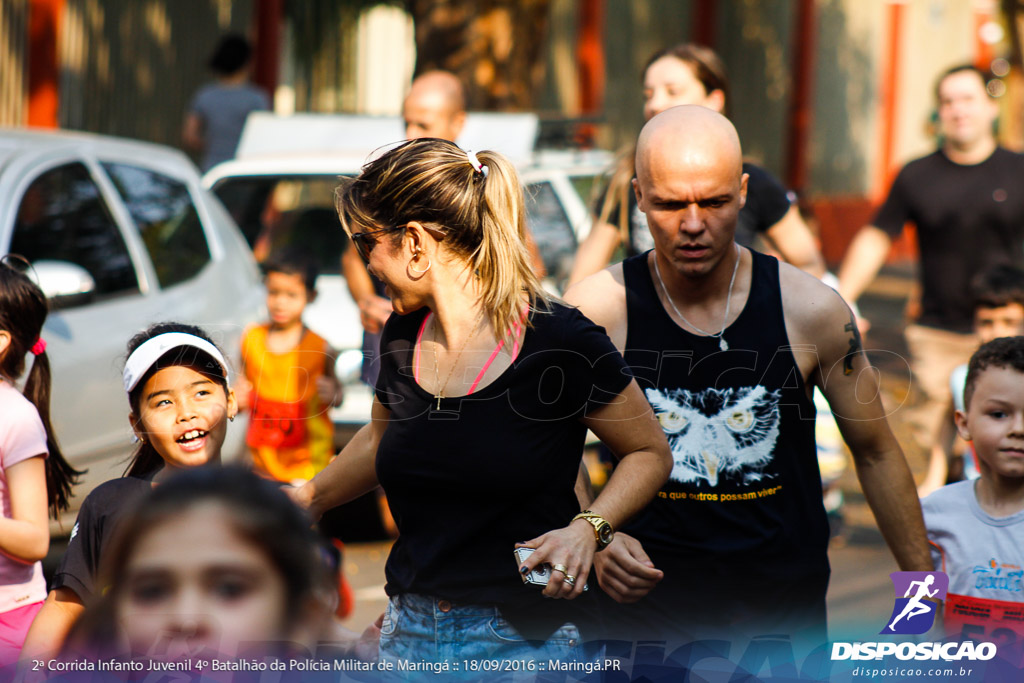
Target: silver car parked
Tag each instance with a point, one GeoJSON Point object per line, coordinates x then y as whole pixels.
{"type": "Point", "coordinates": [121, 234]}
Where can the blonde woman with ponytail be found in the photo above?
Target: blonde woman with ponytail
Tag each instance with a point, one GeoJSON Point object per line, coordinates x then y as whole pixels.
{"type": "Point", "coordinates": [487, 388]}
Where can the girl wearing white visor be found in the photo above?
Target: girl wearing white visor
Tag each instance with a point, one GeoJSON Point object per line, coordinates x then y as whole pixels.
{"type": "Point", "coordinates": [177, 385]}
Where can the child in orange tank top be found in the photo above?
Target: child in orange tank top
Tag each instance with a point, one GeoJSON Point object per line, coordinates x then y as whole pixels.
{"type": "Point", "coordinates": [291, 371]}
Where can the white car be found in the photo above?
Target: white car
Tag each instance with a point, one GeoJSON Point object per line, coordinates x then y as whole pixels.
{"type": "Point", "coordinates": [121, 234]}
{"type": "Point", "coordinates": [280, 191]}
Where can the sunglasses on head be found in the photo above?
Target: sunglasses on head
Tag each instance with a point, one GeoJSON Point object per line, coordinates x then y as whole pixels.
{"type": "Point", "coordinates": [366, 241]}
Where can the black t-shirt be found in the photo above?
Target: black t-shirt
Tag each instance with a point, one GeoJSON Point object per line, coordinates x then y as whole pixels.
{"type": "Point", "coordinates": [467, 482]}
{"type": "Point", "coordinates": [98, 519]}
{"type": "Point", "coordinates": [767, 203]}
{"type": "Point", "coordinates": [744, 495]}
{"type": "Point", "coordinates": [968, 218]}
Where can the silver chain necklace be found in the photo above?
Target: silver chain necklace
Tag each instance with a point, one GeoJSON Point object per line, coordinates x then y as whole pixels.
{"type": "Point", "coordinates": [722, 344]}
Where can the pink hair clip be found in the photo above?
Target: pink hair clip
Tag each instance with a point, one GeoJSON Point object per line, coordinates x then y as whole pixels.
{"type": "Point", "coordinates": [39, 346]}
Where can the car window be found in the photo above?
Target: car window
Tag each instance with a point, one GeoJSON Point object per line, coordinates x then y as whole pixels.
{"type": "Point", "coordinates": [275, 213]}
{"type": "Point", "coordinates": [63, 217]}
{"type": "Point", "coordinates": [167, 220]}
{"type": "Point", "coordinates": [550, 228]}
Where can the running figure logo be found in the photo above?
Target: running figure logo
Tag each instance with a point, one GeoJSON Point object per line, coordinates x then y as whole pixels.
{"type": "Point", "coordinates": [913, 613]}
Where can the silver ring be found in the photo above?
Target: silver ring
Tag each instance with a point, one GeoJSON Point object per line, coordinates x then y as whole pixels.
{"type": "Point", "coordinates": [570, 579]}
{"type": "Point", "coordinates": [560, 568]}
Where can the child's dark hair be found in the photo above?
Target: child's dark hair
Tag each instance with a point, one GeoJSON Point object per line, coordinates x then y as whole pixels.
{"type": "Point", "coordinates": [146, 461]}
{"type": "Point", "coordinates": [293, 261]}
{"type": "Point", "coordinates": [1005, 352]}
{"type": "Point", "coordinates": [998, 286]}
{"type": "Point", "coordinates": [260, 513]}
{"type": "Point", "coordinates": [231, 54]}
{"type": "Point", "coordinates": [23, 310]}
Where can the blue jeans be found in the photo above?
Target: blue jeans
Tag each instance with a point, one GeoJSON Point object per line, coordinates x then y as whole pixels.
{"type": "Point", "coordinates": [421, 634]}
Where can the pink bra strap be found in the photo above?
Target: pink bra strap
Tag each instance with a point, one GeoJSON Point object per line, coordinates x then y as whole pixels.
{"type": "Point", "coordinates": [494, 354]}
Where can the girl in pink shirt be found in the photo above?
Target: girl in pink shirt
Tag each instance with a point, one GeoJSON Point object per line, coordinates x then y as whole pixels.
{"type": "Point", "coordinates": [33, 474]}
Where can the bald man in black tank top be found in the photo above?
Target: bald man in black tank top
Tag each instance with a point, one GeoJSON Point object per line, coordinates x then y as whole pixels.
{"type": "Point", "coordinates": [728, 345]}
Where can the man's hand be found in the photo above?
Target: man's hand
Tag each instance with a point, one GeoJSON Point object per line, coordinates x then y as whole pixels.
{"type": "Point", "coordinates": [624, 571]}
{"type": "Point", "coordinates": [374, 311]}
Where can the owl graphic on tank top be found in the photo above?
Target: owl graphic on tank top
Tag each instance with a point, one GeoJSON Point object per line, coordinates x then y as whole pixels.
{"type": "Point", "coordinates": [719, 434]}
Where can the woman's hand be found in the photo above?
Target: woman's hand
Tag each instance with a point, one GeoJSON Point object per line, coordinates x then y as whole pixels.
{"type": "Point", "coordinates": [571, 547]}
{"type": "Point", "coordinates": [302, 496]}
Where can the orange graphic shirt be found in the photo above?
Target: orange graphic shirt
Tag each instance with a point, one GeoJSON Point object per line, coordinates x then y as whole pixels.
{"type": "Point", "coordinates": [290, 432]}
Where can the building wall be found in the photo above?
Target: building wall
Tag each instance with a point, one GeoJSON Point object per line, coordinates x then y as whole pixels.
{"type": "Point", "coordinates": [130, 68]}
{"type": "Point", "coordinates": [13, 61]}
{"type": "Point", "coordinates": [754, 40]}
{"type": "Point", "coordinates": [633, 32]}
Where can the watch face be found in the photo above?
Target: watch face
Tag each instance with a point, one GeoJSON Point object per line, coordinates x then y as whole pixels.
{"type": "Point", "coordinates": [606, 533]}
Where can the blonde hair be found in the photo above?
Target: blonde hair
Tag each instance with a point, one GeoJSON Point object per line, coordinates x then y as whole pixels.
{"type": "Point", "coordinates": [482, 215]}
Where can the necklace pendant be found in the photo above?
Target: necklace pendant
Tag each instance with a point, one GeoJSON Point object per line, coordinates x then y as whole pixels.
{"type": "Point", "coordinates": [439, 396]}
{"type": "Point", "coordinates": [722, 344]}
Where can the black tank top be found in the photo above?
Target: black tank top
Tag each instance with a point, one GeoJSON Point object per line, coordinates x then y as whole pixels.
{"type": "Point", "coordinates": [745, 491]}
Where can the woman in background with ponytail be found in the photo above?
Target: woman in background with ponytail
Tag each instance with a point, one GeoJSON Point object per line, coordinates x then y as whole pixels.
{"type": "Point", "coordinates": [33, 474]}
{"type": "Point", "coordinates": [487, 388]}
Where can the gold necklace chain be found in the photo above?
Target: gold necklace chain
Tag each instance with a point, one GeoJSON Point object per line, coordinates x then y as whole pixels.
{"type": "Point", "coordinates": [437, 374]}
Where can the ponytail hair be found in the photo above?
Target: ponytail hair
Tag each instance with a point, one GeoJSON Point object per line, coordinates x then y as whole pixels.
{"type": "Point", "coordinates": [23, 310]}
{"type": "Point", "coordinates": [146, 461]}
{"type": "Point", "coordinates": [476, 201]}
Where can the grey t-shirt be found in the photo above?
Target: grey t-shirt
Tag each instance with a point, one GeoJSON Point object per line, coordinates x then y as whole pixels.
{"type": "Point", "coordinates": [983, 555]}
{"type": "Point", "coordinates": [223, 110]}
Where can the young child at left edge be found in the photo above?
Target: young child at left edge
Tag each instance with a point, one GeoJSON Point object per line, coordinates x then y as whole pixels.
{"type": "Point", "coordinates": [33, 473]}
{"type": "Point", "coordinates": [290, 382]}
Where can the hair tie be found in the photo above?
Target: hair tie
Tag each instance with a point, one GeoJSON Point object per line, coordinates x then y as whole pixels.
{"type": "Point", "coordinates": [475, 163]}
{"type": "Point", "coordinates": [39, 346]}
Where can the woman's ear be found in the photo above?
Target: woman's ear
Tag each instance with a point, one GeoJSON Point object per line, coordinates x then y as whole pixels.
{"type": "Point", "coordinates": [715, 100]}
{"type": "Point", "coordinates": [415, 237]}
{"type": "Point", "coordinates": [5, 342]}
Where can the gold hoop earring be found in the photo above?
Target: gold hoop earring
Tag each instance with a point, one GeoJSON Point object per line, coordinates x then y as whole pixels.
{"type": "Point", "coordinates": [420, 272]}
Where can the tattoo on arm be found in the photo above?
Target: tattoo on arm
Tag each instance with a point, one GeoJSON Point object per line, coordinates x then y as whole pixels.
{"type": "Point", "coordinates": [856, 346]}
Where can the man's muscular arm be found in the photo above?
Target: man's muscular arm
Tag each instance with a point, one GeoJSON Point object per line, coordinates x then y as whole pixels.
{"type": "Point", "coordinates": [817, 318]}
{"type": "Point", "coordinates": [602, 298]}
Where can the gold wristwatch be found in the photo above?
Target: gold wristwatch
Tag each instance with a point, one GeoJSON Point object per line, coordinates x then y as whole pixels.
{"type": "Point", "coordinates": [603, 532]}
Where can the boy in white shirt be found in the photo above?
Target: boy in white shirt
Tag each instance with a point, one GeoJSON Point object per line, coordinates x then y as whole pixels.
{"type": "Point", "coordinates": [976, 527]}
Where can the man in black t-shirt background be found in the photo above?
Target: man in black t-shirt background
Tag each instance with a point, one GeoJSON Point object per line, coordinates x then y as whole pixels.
{"type": "Point", "coordinates": [967, 202]}
{"type": "Point", "coordinates": [728, 346]}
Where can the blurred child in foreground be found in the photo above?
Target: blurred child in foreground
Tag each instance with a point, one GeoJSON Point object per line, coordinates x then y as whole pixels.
{"type": "Point", "coordinates": [215, 563]}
